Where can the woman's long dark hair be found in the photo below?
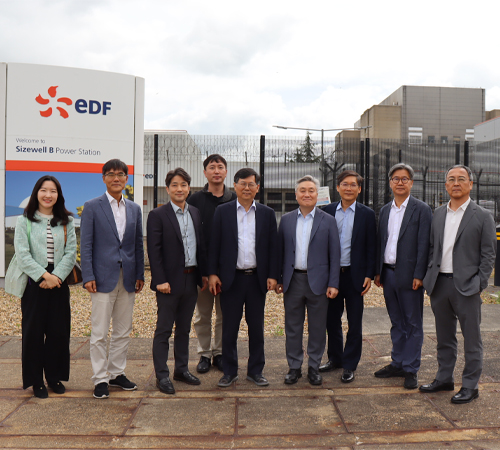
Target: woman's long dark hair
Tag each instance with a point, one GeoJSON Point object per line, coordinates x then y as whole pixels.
{"type": "Point", "coordinates": [59, 211]}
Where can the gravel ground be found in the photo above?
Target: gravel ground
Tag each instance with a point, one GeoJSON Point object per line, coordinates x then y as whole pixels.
{"type": "Point", "coordinates": [145, 311]}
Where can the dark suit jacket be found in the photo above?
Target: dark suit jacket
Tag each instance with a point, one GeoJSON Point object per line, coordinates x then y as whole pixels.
{"type": "Point", "coordinates": [166, 250]}
{"type": "Point", "coordinates": [363, 243]}
{"type": "Point", "coordinates": [323, 256]}
{"type": "Point", "coordinates": [413, 242]}
{"type": "Point", "coordinates": [473, 253]}
{"type": "Point", "coordinates": [102, 253]}
{"type": "Point", "coordinates": [224, 244]}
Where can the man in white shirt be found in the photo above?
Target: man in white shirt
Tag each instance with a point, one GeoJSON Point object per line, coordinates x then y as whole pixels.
{"type": "Point", "coordinates": [112, 258]}
{"type": "Point", "coordinates": [462, 254]}
{"type": "Point", "coordinates": [243, 267]}
{"type": "Point", "coordinates": [402, 249]}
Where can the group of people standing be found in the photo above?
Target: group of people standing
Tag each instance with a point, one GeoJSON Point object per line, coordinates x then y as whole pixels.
{"type": "Point", "coordinates": [218, 248]}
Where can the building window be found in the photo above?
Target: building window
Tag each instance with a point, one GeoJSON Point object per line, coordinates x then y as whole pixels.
{"type": "Point", "coordinates": [431, 139]}
{"type": "Point", "coordinates": [456, 139]}
{"type": "Point", "coordinates": [274, 196]}
{"type": "Point", "coordinates": [290, 207]}
{"type": "Point", "coordinates": [290, 196]}
{"type": "Point", "coordinates": [414, 138]}
{"type": "Point", "coordinates": [444, 139]}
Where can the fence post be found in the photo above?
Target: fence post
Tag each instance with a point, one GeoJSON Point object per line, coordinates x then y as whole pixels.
{"type": "Point", "coordinates": [367, 171]}
{"type": "Point", "coordinates": [466, 153]}
{"type": "Point", "coordinates": [478, 176]}
{"type": "Point", "coordinates": [362, 163]}
{"type": "Point", "coordinates": [457, 153]}
{"type": "Point", "coordinates": [387, 193]}
{"type": "Point", "coordinates": [262, 158]}
{"type": "Point", "coordinates": [375, 178]}
{"type": "Point", "coordinates": [424, 181]}
{"type": "Point", "coordinates": [155, 172]}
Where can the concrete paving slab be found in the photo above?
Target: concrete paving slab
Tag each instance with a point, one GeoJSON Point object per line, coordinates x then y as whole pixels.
{"type": "Point", "coordinates": [396, 412]}
{"type": "Point", "coordinates": [71, 416]}
{"type": "Point", "coordinates": [482, 412]}
{"type": "Point", "coordinates": [11, 375]}
{"type": "Point", "coordinates": [174, 417]}
{"type": "Point", "coordinates": [289, 415]}
{"type": "Point", "coordinates": [9, 405]}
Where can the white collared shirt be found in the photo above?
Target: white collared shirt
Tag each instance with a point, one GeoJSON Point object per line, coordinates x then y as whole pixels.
{"type": "Point", "coordinates": [119, 213]}
{"type": "Point", "coordinates": [345, 223]}
{"type": "Point", "coordinates": [246, 237]}
{"type": "Point", "coordinates": [395, 219]}
{"type": "Point", "coordinates": [302, 238]}
{"type": "Point", "coordinates": [451, 225]}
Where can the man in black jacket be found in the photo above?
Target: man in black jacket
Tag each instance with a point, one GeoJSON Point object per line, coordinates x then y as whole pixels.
{"type": "Point", "coordinates": [212, 195]}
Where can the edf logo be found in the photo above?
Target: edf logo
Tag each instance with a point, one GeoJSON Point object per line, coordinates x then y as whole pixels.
{"type": "Point", "coordinates": [93, 107]}
{"type": "Point", "coordinates": [81, 105]}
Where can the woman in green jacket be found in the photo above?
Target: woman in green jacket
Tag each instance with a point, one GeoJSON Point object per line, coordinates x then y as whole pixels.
{"type": "Point", "coordinates": [45, 245]}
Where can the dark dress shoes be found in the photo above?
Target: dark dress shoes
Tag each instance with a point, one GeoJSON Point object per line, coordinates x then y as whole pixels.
{"type": "Point", "coordinates": [165, 386]}
{"type": "Point", "coordinates": [57, 387]}
{"type": "Point", "coordinates": [329, 366]}
{"type": "Point", "coordinates": [465, 395]}
{"type": "Point", "coordinates": [411, 380]}
{"type": "Point", "coordinates": [347, 376]}
{"type": "Point", "coordinates": [437, 386]}
{"type": "Point", "coordinates": [217, 362]}
{"type": "Point", "coordinates": [40, 391]}
{"type": "Point", "coordinates": [314, 377]}
{"type": "Point", "coordinates": [227, 380]}
{"type": "Point", "coordinates": [389, 371]}
{"type": "Point", "coordinates": [204, 365]}
{"type": "Point", "coordinates": [293, 376]}
{"type": "Point", "coordinates": [186, 377]}
{"type": "Point", "coordinates": [258, 379]}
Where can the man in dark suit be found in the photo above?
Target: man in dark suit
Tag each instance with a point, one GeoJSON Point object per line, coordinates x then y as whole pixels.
{"type": "Point", "coordinates": [462, 254]}
{"type": "Point", "coordinates": [402, 250]}
{"type": "Point", "coordinates": [243, 267]}
{"type": "Point", "coordinates": [309, 252]}
{"type": "Point", "coordinates": [357, 233]}
{"type": "Point", "coordinates": [112, 259]}
{"type": "Point", "coordinates": [177, 257]}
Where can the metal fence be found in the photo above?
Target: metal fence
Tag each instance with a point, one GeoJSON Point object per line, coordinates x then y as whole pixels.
{"type": "Point", "coordinates": [282, 160]}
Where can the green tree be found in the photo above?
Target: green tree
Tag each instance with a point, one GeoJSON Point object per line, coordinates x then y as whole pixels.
{"type": "Point", "coordinates": [305, 153]}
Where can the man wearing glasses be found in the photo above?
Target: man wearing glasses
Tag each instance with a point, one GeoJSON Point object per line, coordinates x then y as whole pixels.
{"type": "Point", "coordinates": [243, 267]}
{"type": "Point", "coordinates": [112, 258]}
{"type": "Point", "coordinates": [401, 263]}
{"type": "Point", "coordinates": [461, 258]}
{"type": "Point", "coordinates": [357, 233]}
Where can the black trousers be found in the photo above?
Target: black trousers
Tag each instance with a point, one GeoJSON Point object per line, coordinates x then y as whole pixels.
{"type": "Point", "coordinates": [176, 309]}
{"type": "Point", "coordinates": [349, 355]}
{"type": "Point", "coordinates": [245, 290]}
{"type": "Point", "coordinates": [46, 325]}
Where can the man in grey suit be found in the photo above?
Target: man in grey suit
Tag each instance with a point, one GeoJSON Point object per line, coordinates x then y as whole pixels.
{"type": "Point", "coordinates": [309, 252]}
{"type": "Point", "coordinates": [402, 250]}
{"type": "Point", "coordinates": [112, 259]}
{"type": "Point", "coordinates": [461, 258]}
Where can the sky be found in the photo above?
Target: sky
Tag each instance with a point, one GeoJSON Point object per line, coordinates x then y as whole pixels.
{"type": "Point", "coordinates": [238, 68]}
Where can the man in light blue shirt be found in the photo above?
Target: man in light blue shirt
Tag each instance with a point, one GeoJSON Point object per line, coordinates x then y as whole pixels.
{"type": "Point", "coordinates": [309, 252]}
{"type": "Point", "coordinates": [357, 234]}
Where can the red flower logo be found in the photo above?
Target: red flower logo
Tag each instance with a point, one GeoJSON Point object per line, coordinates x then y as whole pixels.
{"type": "Point", "coordinates": [44, 101]}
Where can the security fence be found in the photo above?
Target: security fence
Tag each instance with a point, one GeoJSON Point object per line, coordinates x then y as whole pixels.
{"type": "Point", "coordinates": [282, 160]}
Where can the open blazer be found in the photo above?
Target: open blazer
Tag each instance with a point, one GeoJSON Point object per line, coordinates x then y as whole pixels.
{"type": "Point", "coordinates": [32, 256]}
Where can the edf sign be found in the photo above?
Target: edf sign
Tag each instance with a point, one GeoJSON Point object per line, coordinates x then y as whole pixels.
{"type": "Point", "coordinates": [92, 107]}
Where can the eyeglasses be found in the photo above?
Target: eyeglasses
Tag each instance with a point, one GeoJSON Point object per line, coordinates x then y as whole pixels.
{"type": "Point", "coordinates": [244, 185]}
{"type": "Point", "coordinates": [112, 176]}
{"type": "Point", "coordinates": [453, 180]}
{"type": "Point", "coordinates": [403, 180]}
{"type": "Point", "coordinates": [351, 185]}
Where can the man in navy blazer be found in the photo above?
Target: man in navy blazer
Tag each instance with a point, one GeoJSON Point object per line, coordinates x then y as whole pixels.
{"type": "Point", "coordinates": [358, 236]}
{"type": "Point", "coordinates": [309, 255]}
{"type": "Point", "coordinates": [178, 264]}
{"type": "Point", "coordinates": [402, 251]}
{"type": "Point", "coordinates": [112, 258]}
{"type": "Point", "coordinates": [243, 267]}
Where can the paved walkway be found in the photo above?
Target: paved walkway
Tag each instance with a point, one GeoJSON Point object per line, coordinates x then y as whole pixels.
{"type": "Point", "coordinates": [369, 413]}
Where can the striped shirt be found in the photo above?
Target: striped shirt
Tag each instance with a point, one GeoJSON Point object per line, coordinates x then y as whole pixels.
{"type": "Point", "coordinates": [50, 238]}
